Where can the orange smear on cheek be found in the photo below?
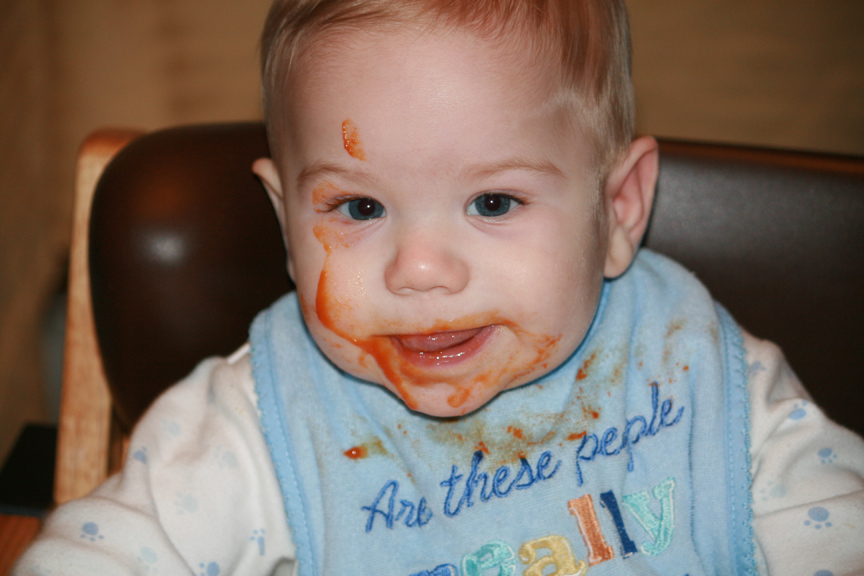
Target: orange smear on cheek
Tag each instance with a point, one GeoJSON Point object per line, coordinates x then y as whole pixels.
{"type": "Point", "coordinates": [351, 140]}
{"type": "Point", "coordinates": [394, 367]}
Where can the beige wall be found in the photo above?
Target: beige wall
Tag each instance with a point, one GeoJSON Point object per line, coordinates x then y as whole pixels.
{"type": "Point", "coordinates": [769, 72]}
{"type": "Point", "coordinates": [785, 73]}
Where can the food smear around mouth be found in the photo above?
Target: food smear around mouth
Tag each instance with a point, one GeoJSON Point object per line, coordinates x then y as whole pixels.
{"type": "Point", "coordinates": [351, 140]}
{"type": "Point", "coordinates": [420, 360]}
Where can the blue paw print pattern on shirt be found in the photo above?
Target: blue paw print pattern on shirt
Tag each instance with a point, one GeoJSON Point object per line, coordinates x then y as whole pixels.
{"type": "Point", "coordinates": [210, 569]}
{"type": "Point", "coordinates": [258, 536]}
{"type": "Point", "coordinates": [799, 412]}
{"type": "Point", "coordinates": [755, 368]}
{"type": "Point", "coordinates": [827, 455]}
{"type": "Point", "coordinates": [171, 428]}
{"type": "Point", "coordinates": [185, 503]}
{"type": "Point", "coordinates": [140, 455]}
{"type": "Point", "coordinates": [148, 559]}
{"type": "Point", "coordinates": [772, 490]}
{"type": "Point", "coordinates": [824, 573]}
{"type": "Point", "coordinates": [90, 531]}
{"type": "Point", "coordinates": [817, 517]}
{"type": "Point", "coordinates": [225, 458]}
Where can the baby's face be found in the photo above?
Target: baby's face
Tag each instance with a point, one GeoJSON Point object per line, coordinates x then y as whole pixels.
{"type": "Point", "coordinates": [442, 219]}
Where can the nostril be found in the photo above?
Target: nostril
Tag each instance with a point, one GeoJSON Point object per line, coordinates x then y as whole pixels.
{"type": "Point", "coordinates": [420, 269]}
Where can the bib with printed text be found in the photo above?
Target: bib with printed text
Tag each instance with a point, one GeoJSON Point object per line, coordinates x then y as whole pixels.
{"type": "Point", "coordinates": [629, 458]}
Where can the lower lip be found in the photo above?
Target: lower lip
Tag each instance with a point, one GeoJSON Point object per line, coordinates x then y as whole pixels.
{"type": "Point", "coordinates": [446, 356]}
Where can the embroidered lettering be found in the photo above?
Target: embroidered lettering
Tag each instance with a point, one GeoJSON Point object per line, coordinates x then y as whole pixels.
{"type": "Point", "coordinates": [660, 528]}
{"type": "Point", "coordinates": [608, 501]}
{"type": "Point", "coordinates": [479, 482]}
{"type": "Point", "coordinates": [491, 555]}
{"type": "Point", "coordinates": [560, 557]}
{"type": "Point", "coordinates": [442, 570]}
{"type": "Point", "coordinates": [583, 509]}
{"type": "Point", "coordinates": [635, 429]}
{"type": "Point", "coordinates": [409, 514]}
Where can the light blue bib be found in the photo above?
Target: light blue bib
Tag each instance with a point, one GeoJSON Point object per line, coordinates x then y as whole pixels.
{"type": "Point", "coordinates": [630, 458]}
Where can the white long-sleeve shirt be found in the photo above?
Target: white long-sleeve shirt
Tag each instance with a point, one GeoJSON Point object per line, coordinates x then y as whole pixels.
{"type": "Point", "coordinates": [198, 493]}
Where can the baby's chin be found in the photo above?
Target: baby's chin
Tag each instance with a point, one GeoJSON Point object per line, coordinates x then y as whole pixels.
{"type": "Point", "coordinates": [445, 400]}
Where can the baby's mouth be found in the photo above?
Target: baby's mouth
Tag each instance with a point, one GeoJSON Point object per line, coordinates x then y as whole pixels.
{"type": "Point", "coordinates": [442, 347]}
{"type": "Point", "coordinates": [437, 341]}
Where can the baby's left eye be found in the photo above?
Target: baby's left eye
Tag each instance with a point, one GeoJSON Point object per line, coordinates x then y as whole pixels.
{"type": "Point", "coordinates": [492, 204]}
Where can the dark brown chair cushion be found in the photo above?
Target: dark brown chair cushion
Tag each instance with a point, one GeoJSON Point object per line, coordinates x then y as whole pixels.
{"type": "Point", "coordinates": [185, 249]}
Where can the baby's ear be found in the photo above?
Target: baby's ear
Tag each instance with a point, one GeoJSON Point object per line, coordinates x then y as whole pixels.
{"type": "Point", "coordinates": [628, 195]}
{"type": "Point", "coordinates": [266, 170]}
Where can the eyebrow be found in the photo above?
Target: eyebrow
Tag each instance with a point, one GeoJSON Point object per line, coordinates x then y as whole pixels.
{"type": "Point", "coordinates": [474, 171]}
{"type": "Point", "coordinates": [484, 170]}
{"type": "Point", "coordinates": [319, 169]}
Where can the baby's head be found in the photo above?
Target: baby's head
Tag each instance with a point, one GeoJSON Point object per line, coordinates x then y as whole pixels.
{"type": "Point", "coordinates": [454, 179]}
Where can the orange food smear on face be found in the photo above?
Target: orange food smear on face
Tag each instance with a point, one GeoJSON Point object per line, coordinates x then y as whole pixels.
{"type": "Point", "coordinates": [396, 369]}
{"type": "Point", "coordinates": [459, 397]}
{"type": "Point", "coordinates": [351, 140]}
{"type": "Point", "coordinates": [356, 452]}
{"type": "Point", "coordinates": [323, 191]}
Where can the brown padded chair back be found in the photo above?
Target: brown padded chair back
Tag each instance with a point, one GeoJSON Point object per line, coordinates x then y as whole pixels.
{"type": "Point", "coordinates": [185, 249]}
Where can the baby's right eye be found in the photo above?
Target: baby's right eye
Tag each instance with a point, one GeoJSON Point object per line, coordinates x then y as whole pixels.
{"type": "Point", "coordinates": [362, 209]}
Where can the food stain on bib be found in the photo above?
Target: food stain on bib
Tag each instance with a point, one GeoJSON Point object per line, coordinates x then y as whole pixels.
{"type": "Point", "coordinates": [371, 448]}
{"type": "Point", "coordinates": [351, 140]}
{"type": "Point", "coordinates": [583, 371]}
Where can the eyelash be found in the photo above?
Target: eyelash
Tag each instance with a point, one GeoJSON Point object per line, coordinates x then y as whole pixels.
{"type": "Point", "coordinates": [343, 205]}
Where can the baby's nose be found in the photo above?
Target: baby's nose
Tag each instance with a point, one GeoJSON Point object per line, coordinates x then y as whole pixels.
{"type": "Point", "coordinates": [424, 263]}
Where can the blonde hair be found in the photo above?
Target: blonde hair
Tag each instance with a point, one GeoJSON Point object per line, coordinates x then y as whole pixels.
{"type": "Point", "coordinates": [589, 39]}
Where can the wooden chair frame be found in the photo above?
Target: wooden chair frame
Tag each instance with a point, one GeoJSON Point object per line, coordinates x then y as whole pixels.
{"type": "Point", "coordinates": [89, 443]}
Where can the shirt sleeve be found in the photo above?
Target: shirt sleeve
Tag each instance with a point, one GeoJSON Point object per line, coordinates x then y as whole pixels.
{"type": "Point", "coordinates": [808, 476]}
{"type": "Point", "coordinates": [197, 494]}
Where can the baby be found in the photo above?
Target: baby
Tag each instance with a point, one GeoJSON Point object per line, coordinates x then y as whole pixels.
{"type": "Point", "coordinates": [479, 373]}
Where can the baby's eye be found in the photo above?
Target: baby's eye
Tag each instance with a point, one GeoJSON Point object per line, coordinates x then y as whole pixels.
{"type": "Point", "coordinates": [362, 209]}
{"type": "Point", "coordinates": [492, 204]}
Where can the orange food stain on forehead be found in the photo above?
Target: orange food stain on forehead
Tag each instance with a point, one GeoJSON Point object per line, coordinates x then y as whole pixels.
{"type": "Point", "coordinates": [351, 140]}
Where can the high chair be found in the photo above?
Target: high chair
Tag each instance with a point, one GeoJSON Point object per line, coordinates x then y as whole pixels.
{"type": "Point", "coordinates": [178, 248]}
